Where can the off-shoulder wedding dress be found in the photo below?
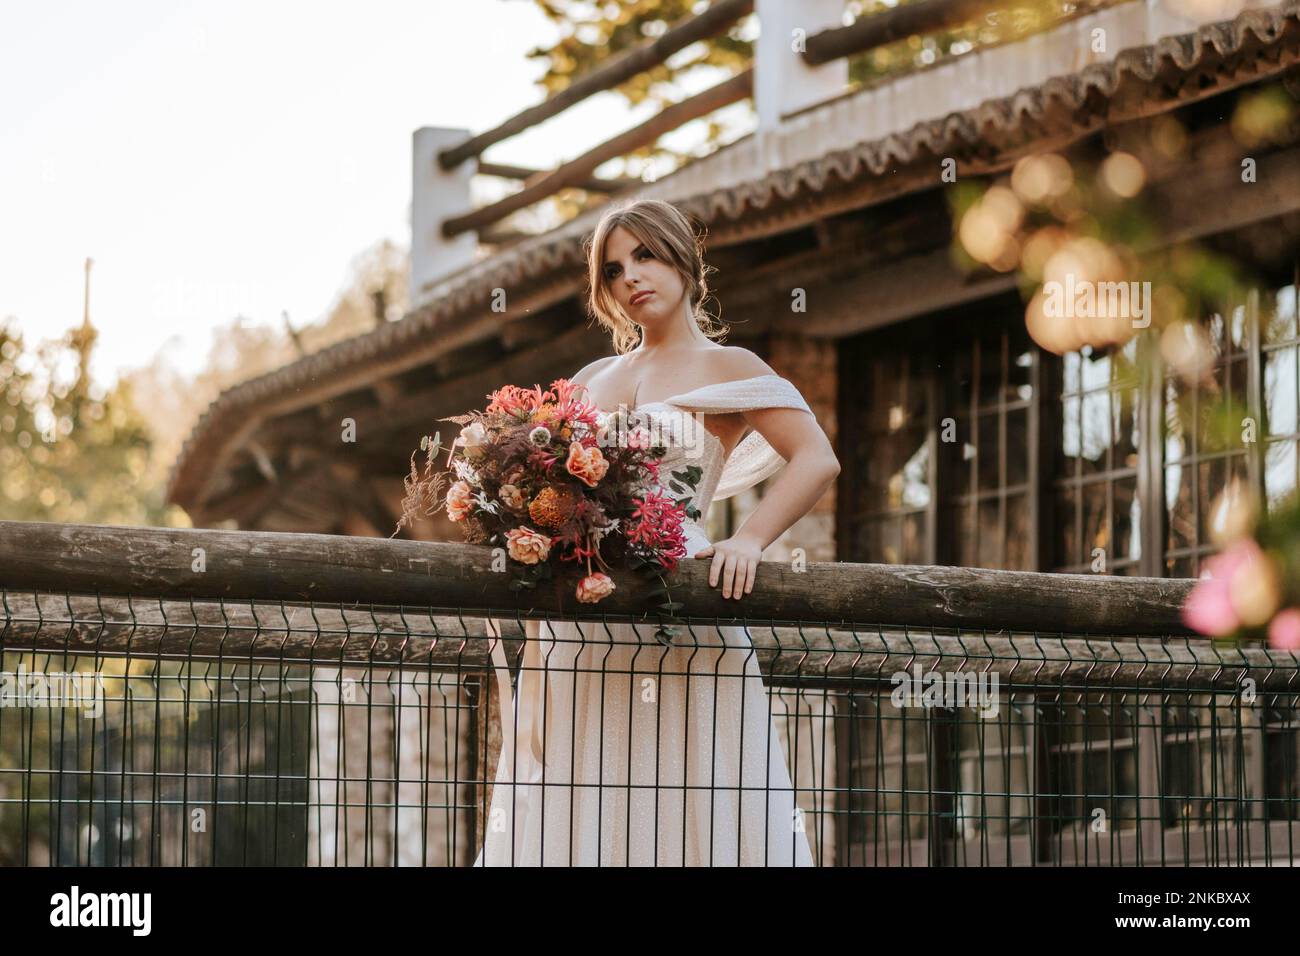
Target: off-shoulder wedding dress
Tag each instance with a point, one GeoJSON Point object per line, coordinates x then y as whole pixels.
{"type": "Point", "coordinates": [620, 751]}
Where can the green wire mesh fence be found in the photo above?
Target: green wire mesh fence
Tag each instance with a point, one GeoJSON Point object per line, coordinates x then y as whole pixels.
{"type": "Point", "coordinates": [153, 728]}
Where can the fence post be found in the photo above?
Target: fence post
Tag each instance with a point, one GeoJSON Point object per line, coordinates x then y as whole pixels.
{"type": "Point", "coordinates": [437, 194]}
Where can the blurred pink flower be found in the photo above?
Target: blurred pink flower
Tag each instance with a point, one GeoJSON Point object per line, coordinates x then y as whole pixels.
{"type": "Point", "coordinates": [1284, 631]}
{"type": "Point", "coordinates": [1209, 608]}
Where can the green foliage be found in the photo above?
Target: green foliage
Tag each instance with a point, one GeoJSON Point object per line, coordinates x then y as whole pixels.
{"type": "Point", "coordinates": [1016, 20]}
{"type": "Point", "coordinates": [69, 453]}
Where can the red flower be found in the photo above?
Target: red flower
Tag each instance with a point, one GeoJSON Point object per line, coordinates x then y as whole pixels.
{"type": "Point", "coordinates": [656, 526]}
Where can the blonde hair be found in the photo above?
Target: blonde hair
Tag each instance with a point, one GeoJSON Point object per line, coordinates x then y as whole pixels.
{"type": "Point", "coordinates": [667, 232]}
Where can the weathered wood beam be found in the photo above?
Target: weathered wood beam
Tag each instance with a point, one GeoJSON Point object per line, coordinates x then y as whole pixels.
{"type": "Point", "coordinates": [610, 74]}
{"type": "Point", "coordinates": [593, 184]}
{"type": "Point", "coordinates": [897, 23]}
{"type": "Point", "coordinates": [738, 87]}
{"type": "Point", "coordinates": [300, 567]}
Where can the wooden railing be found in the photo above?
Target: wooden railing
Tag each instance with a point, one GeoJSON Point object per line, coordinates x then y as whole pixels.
{"type": "Point", "coordinates": [328, 700]}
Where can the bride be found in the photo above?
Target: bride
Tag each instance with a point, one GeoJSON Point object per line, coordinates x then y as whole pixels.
{"type": "Point", "coordinates": [616, 749]}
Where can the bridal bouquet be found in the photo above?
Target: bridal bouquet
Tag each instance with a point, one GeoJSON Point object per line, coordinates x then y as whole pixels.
{"type": "Point", "coordinates": [567, 490]}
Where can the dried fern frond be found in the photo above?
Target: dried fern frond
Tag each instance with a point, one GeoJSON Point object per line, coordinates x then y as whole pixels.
{"type": "Point", "coordinates": [424, 492]}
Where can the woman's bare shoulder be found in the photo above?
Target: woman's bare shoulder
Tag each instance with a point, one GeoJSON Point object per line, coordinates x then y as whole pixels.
{"type": "Point", "coordinates": [737, 363]}
{"type": "Point", "coordinates": [583, 377]}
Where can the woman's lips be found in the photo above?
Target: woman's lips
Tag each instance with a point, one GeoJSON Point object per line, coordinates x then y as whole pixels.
{"type": "Point", "coordinates": [641, 297]}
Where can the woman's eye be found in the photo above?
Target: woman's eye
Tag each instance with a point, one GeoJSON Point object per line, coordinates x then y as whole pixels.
{"type": "Point", "coordinates": [647, 254]}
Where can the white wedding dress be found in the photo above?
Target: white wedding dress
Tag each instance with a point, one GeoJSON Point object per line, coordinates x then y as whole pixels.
{"type": "Point", "coordinates": [618, 750]}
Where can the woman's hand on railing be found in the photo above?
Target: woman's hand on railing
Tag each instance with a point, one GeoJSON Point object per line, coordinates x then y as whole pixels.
{"type": "Point", "coordinates": [735, 561]}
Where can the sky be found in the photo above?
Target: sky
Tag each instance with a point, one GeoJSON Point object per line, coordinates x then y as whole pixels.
{"type": "Point", "coordinates": [232, 158]}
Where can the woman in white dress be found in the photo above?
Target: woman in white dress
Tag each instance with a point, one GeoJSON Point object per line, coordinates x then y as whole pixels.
{"type": "Point", "coordinates": [616, 749]}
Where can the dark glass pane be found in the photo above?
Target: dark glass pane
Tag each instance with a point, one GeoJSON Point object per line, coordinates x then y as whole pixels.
{"type": "Point", "coordinates": [1017, 447]}
{"type": "Point", "coordinates": [1213, 479]}
{"type": "Point", "coordinates": [914, 539]}
{"type": "Point", "coordinates": [1179, 513]}
{"type": "Point", "coordinates": [1066, 452]}
{"type": "Point", "coordinates": [1019, 533]}
{"type": "Point", "coordinates": [992, 373]}
{"type": "Point", "coordinates": [961, 518]}
{"type": "Point", "coordinates": [1127, 520]}
{"type": "Point", "coordinates": [1019, 371]}
{"type": "Point", "coordinates": [1125, 426]}
{"type": "Point", "coordinates": [988, 452]}
{"type": "Point", "coordinates": [1067, 540]}
{"type": "Point", "coordinates": [1238, 409]}
{"type": "Point", "coordinates": [1177, 440]}
{"type": "Point", "coordinates": [990, 534]}
{"type": "Point", "coordinates": [1096, 533]}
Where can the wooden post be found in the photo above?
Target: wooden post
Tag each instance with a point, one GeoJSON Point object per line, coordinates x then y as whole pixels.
{"type": "Point", "coordinates": [436, 194]}
{"type": "Point", "coordinates": [783, 82]}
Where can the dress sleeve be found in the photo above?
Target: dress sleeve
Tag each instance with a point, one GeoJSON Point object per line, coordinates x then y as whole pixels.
{"type": "Point", "coordinates": [754, 459]}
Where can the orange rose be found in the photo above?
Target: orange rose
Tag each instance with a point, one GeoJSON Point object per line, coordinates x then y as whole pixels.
{"type": "Point", "coordinates": [588, 465]}
{"type": "Point", "coordinates": [527, 546]}
{"type": "Point", "coordinates": [594, 587]}
{"type": "Point", "coordinates": [460, 501]}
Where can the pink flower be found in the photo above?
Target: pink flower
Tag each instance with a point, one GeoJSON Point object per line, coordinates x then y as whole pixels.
{"type": "Point", "coordinates": [460, 501]}
{"type": "Point", "coordinates": [1284, 632]}
{"type": "Point", "coordinates": [656, 526]}
{"type": "Point", "coordinates": [527, 546]}
{"type": "Point", "coordinates": [594, 587]}
{"type": "Point", "coordinates": [1209, 608]}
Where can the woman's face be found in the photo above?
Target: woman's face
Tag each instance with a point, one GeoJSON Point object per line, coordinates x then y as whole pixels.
{"type": "Point", "coordinates": [649, 290]}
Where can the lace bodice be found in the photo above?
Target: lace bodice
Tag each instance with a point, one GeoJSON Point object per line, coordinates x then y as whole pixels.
{"type": "Point", "coordinates": [679, 423]}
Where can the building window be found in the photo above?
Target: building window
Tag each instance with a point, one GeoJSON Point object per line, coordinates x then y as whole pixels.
{"type": "Point", "coordinates": [942, 457]}
{"type": "Point", "coordinates": [886, 769]}
{"type": "Point", "coordinates": [1280, 345]}
{"type": "Point", "coordinates": [1201, 454]}
{"type": "Point", "coordinates": [1095, 411]}
{"type": "Point", "coordinates": [888, 385]}
{"type": "Point", "coordinates": [1204, 763]}
{"type": "Point", "coordinates": [1092, 765]}
{"type": "Point", "coordinates": [987, 505]}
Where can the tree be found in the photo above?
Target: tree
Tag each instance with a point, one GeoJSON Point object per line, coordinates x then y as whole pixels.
{"type": "Point", "coordinates": [73, 452]}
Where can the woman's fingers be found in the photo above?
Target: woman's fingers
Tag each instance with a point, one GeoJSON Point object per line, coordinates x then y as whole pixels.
{"type": "Point", "coordinates": [735, 573]}
{"type": "Point", "coordinates": [730, 575]}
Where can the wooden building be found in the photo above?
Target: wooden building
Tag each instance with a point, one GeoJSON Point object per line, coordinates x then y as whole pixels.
{"type": "Point", "coordinates": [1049, 459]}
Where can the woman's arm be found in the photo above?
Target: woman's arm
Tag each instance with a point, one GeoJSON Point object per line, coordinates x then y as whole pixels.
{"type": "Point", "coordinates": [811, 468]}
